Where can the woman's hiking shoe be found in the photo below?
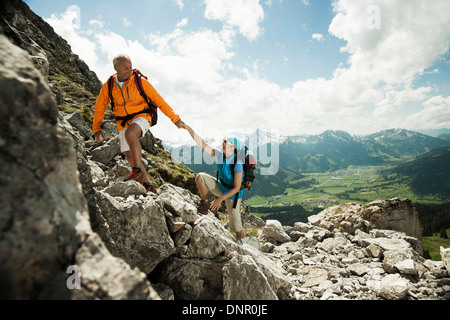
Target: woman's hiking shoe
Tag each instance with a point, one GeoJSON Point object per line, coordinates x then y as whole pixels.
{"type": "Point", "coordinates": [203, 207]}
{"type": "Point", "coordinates": [149, 187]}
{"type": "Point", "coordinates": [135, 174]}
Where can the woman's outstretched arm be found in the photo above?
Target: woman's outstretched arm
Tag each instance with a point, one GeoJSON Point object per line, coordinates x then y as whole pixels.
{"type": "Point", "coordinates": [200, 141]}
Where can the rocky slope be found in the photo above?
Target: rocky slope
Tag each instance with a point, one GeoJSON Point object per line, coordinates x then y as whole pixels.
{"type": "Point", "coordinates": [65, 207]}
{"type": "Point", "coordinates": [44, 222]}
{"type": "Point", "coordinates": [73, 84]}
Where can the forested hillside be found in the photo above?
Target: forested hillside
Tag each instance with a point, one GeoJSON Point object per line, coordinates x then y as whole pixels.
{"type": "Point", "coordinates": [429, 173]}
{"type": "Point", "coordinates": [433, 217]}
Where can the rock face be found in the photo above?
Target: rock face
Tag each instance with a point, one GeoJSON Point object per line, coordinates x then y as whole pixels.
{"type": "Point", "coordinates": [44, 222]}
{"type": "Point", "coordinates": [138, 229]}
{"type": "Point", "coordinates": [393, 214]}
{"type": "Point", "coordinates": [72, 228]}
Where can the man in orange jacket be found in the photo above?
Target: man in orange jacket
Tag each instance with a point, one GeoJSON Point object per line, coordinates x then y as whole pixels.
{"type": "Point", "coordinates": [127, 101]}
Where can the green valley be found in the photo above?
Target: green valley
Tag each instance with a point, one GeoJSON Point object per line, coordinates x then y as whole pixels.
{"type": "Point", "coordinates": [361, 184]}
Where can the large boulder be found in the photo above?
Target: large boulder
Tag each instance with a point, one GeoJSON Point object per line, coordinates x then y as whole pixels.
{"type": "Point", "coordinates": [209, 240]}
{"type": "Point", "coordinates": [393, 214]}
{"type": "Point", "coordinates": [244, 280]}
{"type": "Point", "coordinates": [109, 278]}
{"type": "Point", "coordinates": [192, 279]}
{"type": "Point", "coordinates": [138, 230]}
{"type": "Point", "coordinates": [392, 287]}
{"type": "Point", "coordinates": [273, 232]}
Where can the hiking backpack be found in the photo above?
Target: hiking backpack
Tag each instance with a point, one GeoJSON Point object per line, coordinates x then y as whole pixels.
{"type": "Point", "coordinates": [249, 165]}
{"type": "Point", "coordinates": [152, 110]}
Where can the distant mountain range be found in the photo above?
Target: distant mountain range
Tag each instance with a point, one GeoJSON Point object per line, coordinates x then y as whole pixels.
{"type": "Point", "coordinates": [332, 151]}
{"type": "Point", "coordinates": [335, 150]}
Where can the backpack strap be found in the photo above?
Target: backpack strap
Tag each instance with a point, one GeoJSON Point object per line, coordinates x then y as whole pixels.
{"type": "Point", "coordinates": [110, 87]}
{"type": "Point", "coordinates": [232, 172]}
{"type": "Point", "coordinates": [151, 105]}
{"type": "Point", "coordinates": [128, 117]}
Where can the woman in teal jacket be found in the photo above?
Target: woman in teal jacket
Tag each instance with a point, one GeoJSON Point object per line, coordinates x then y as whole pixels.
{"type": "Point", "coordinates": [228, 185]}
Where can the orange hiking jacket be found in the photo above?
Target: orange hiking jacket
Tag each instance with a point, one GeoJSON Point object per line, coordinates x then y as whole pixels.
{"type": "Point", "coordinates": [128, 101]}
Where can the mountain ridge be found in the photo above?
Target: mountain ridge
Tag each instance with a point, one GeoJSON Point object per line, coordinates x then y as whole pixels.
{"type": "Point", "coordinates": [383, 146]}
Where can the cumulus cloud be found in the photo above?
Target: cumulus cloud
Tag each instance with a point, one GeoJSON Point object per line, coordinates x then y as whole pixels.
{"type": "Point", "coordinates": [317, 36]}
{"type": "Point", "coordinates": [435, 114]}
{"type": "Point", "coordinates": [412, 36]}
{"type": "Point", "coordinates": [246, 15]}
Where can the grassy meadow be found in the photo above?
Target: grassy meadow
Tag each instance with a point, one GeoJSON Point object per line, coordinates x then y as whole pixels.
{"type": "Point", "coordinates": [360, 184]}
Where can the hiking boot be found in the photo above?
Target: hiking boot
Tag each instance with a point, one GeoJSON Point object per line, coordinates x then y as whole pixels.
{"type": "Point", "coordinates": [149, 187]}
{"type": "Point", "coordinates": [203, 207]}
{"type": "Point", "coordinates": [135, 174]}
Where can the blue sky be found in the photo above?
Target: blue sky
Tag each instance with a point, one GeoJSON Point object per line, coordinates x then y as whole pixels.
{"type": "Point", "coordinates": [286, 66]}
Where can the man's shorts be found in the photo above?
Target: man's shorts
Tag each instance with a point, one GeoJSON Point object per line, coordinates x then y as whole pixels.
{"type": "Point", "coordinates": [142, 123]}
{"type": "Point", "coordinates": [233, 214]}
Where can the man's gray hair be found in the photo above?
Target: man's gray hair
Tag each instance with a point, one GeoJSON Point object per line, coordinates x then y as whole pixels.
{"type": "Point", "coordinates": [119, 58]}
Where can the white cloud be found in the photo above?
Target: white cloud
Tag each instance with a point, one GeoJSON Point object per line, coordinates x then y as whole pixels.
{"type": "Point", "coordinates": [126, 23]}
{"type": "Point", "coordinates": [435, 114]}
{"type": "Point", "coordinates": [318, 37]}
{"type": "Point", "coordinates": [412, 36]}
{"type": "Point", "coordinates": [394, 99]}
{"type": "Point", "coordinates": [376, 87]}
{"type": "Point", "coordinates": [436, 70]}
{"type": "Point", "coordinates": [246, 15]}
{"type": "Point", "coordinates": [184, 22]}
{"type": "Point", "coordinates": [97, 23]}
{"type": "Point", "coordinates": [179, 3]}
